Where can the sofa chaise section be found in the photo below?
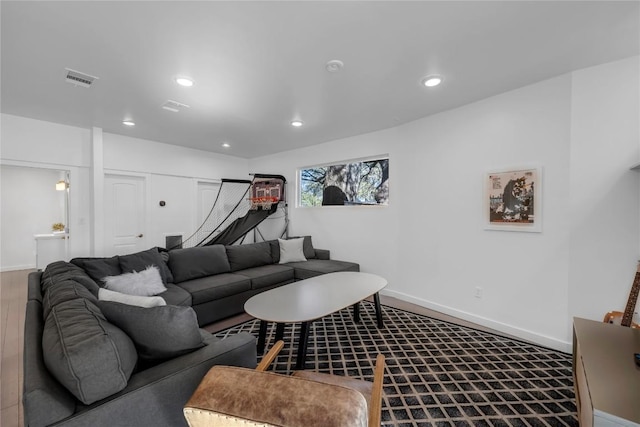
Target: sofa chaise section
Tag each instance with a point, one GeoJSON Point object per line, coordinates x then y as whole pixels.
{"type": "Point", "coordinates": [153, 394]}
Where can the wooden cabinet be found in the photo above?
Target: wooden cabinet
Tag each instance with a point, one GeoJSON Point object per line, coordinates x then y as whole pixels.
{"type": "Point", "coordinates": [606, 378]}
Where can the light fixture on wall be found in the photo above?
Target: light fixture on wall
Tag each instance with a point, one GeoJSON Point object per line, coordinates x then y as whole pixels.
{"type": "Point", "coordinates": [62, 185]}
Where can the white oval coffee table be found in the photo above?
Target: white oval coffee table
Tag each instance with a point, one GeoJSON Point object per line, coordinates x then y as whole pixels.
{"type": "Point", "coordinates": [311, 299]}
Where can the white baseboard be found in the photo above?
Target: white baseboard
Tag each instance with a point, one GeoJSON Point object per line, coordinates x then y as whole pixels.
{"type": "Point", "coordinates": [18, 267]}
{"type": "Point", "coordinates": [524, 334]}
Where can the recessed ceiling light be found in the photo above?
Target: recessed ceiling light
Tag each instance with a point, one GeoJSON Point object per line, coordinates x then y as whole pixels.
{"type": "Point", "coordinates": [297, 123]}
{"type": "Point", "coordinates": [184, 81]}
{"type": "Point", "coordinates": [334, 65]}
{"type": "Point", "coordinates": [431, 81]}
{"type": "Point", "coordinates": [226, 145]}
{"type": "Point", "coordinates": [128, 123]}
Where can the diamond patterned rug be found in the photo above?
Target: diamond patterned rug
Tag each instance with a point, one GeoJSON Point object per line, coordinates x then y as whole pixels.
{"type": "Point", "coordinates": [437, 374]}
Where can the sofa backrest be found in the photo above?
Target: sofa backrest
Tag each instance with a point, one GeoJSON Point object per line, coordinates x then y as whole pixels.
{"type": "Point", "coordinates": [44, 399]}
{"type": "Point", "coordinates": [249, 255]}
{"type": "Point", "coordinates": [193, 263]}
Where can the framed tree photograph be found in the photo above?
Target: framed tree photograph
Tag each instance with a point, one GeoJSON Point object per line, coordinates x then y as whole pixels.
{"type": "Point", "coordinates": [513, 199]}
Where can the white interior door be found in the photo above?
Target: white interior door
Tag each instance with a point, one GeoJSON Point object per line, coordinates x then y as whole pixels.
{"type": "Point", "coordinates": [207, 193]}
{"type": "Point", "coordinates": [124, 219]}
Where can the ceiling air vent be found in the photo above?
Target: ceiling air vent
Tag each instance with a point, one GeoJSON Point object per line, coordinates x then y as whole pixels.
{"type": "Point", "coordinates": [79, 79]}
{"type": "Point", "coordinates": [174, 106]}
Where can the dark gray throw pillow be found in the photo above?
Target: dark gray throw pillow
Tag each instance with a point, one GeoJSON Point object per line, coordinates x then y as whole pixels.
{"type": "Point", "coordinates": [164, 254]}
{"type": "Point", "coordinates": [194, 263]}
{"type": "Point", "coordinates": [99, 268]}
{"type": "Point", "coordinates": [158, 332]}
{"type": "Point", "coordinates": [141, 260]}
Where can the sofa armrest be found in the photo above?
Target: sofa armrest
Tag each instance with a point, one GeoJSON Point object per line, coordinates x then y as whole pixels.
{"type": "Point", "coordinates": [155, 396]}
{"type": "Point", "coordinates": [323, 253]}
{"type": "Point", "coordinates": [34, 292]}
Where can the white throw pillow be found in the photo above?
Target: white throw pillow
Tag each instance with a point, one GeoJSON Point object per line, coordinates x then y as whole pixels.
{"type": "Point", "coordinates": [107, 295]}
{"type": "Point", "coordinates": [291, 250]}
{"type": "Point", "coordinates": [144, 283]}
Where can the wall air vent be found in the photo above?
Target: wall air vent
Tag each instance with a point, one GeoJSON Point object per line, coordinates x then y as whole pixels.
{"type": "Point", "coordinates": [174, 106]}
{"type": "Point", "coordinates": [79, 79]}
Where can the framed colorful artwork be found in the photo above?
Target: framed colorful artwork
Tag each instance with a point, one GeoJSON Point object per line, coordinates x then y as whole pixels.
{"type": "Point", "coordinates": [513, 199]}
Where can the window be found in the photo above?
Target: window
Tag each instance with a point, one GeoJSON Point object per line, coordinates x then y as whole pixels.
{"type": "Point", "coordinates": [364, 182]}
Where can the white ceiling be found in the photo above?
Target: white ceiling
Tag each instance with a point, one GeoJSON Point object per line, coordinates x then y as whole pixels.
{"type": "Point", "coordinates": [259, 65]}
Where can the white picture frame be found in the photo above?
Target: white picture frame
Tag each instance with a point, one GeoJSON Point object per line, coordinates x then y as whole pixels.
{"type": "Point", "coordinates": [513, 199]}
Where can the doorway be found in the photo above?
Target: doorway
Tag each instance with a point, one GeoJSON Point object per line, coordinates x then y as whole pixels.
{"type": "Point", "coordinates": [124, 215]}
{"type": "Point", "coordinates": [30, 206]}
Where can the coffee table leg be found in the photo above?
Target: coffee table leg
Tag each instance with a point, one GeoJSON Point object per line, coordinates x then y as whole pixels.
{"type": "Point", "coordinates": [279, 331]}
{"type": "Point", "coordinates": [376, 300]}
{"type": "Point", "coordinates": [302, 345]}
{"type": "Point", "coordinates": [262, 336]}
{"type": "Point", "coordinates": [356, 312]}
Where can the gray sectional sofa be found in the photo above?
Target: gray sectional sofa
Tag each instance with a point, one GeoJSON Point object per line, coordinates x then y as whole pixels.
{"type": "Point", "coordinates": [100, 363]}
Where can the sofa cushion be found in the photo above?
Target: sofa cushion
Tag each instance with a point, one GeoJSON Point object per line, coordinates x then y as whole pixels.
{"type": "Point", "coordinates": [211, 288]}
{"type": "Point", "coordinates": [89, 356]}
{"type": "Point", "coordinates": [248, 256]}
{"type": "Point", "coordinates": [316, 267]}
{"type": "Point", "coordinates": [99, 268]}
{"type": "Point", "coordinates": [158, 332]}
{"type": "Point", "coordinates": [140, 301]}
{"type": "Point", "coordinates": [193, 263]}
{"type": "Point", "coordinates": [64, 291]}
{"type": "Point", "coordinates": [146, 282]}
{"type": "Point", "coordinates": [291, 250]}
{"type": "Point", "coordinates": [139, 261]}
{"type": "Point", "coordinates": [268, 275]}
{"type": "Point", "coordinates": [175, 295]}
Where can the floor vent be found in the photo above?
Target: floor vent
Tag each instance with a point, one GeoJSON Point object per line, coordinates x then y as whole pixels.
{"type": "Point", "coordinates": [79, 79]}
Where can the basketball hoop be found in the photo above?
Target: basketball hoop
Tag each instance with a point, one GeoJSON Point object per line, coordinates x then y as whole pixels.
{"type": "Point", "coordinates": [264, 202]}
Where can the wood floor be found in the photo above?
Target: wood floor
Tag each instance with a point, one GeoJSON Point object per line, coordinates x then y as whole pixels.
{"type": "Point", "coordinates": [13, 297]}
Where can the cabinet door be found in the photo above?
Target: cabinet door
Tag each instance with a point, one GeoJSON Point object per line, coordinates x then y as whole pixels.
{"type": "Point", "coordinates": [583, 400]}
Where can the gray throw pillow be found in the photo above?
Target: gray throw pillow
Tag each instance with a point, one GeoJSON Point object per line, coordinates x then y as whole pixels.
{"type": "Point", "coordinates": [194, 263]}
{"type": "Point", "coordinates": [307, 248]}
{"type": "Point", "coordinates": [158, 332]}
{"type": "Point", "coordinates": [90, 357]}
{"type": "Point", "coordinates": [291, 250]}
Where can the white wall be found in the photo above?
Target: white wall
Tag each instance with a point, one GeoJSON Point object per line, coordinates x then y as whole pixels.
{"type": "Point", "coordinates": [171, 173]}
{"type": "Point", "coordinates": [30, 205]}
{"type": "Point", "coordinates": [605, 143]}
{"type": "Point", "coordinates": [52, 146]}
{"type": "Point", "coordinates": [430, 242]}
